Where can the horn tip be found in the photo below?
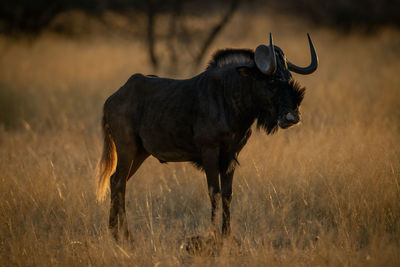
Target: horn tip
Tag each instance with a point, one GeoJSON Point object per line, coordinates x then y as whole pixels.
{"type": "Point", "coordinates": [270, 39]}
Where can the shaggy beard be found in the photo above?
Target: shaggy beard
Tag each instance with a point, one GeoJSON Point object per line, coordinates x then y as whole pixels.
{"type": "Point", "coordinates": [267, 121]}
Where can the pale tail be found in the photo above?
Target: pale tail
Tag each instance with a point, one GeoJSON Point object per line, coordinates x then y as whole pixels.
{"type": "Point", "coordinates": [107, 163]}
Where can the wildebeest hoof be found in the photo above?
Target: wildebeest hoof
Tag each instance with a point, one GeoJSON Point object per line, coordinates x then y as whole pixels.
{"type": "Point", "coordinates": [203, 245]}
{"type": "Point", "coordinates": [234, 241]}
{"type": "Point", "coordinates": [123, 238]}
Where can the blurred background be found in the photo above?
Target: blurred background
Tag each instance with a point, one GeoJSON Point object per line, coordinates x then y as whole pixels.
{"type": "Point", "coordinates": [184, 27]}
{"type": "Point", "coordinates": [325, 193]}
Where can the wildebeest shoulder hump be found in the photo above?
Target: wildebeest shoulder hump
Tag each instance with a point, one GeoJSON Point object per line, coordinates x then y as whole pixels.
{"type": "Point", "coordinates": [231, 56]}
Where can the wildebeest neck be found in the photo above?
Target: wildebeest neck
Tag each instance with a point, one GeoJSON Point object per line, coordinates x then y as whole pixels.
{"type": "Point", "coordinates": [240, 105]}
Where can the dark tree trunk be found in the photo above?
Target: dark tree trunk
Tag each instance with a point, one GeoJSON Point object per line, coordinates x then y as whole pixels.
{"type": "Point", "coordinates": [173, 23]}
{"type": "Point", "coordinates": [151, 16]}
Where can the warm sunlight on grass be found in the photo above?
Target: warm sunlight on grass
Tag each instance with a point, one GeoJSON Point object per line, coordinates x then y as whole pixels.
{"type": "Point", "coordinates": [325, 193]}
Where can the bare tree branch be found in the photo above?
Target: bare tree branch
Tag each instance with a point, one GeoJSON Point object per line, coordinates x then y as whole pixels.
{"type": "Point", "coordinates": [176, 13]}
{"type": "Point", "coordinates": [215, 31]}
{"type": "Point", "coordinates": [151, 14]}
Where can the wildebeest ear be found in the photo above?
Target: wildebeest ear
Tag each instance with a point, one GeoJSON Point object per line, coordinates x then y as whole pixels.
{"type": "Point", "coordinates": [244, 71]}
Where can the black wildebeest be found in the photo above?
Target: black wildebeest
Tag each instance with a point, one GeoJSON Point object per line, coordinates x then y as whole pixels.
{"type": "Point", "coordinates": [205, 120]}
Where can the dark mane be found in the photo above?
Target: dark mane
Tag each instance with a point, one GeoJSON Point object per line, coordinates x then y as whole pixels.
{"type": "Point", "coordinates": [230, 56]}
{"type": "Point", "coordinates": [298, 92]}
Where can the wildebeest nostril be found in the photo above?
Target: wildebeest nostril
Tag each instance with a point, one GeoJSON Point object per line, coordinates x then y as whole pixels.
{"type": "Point", "coordinates": [290, 117]}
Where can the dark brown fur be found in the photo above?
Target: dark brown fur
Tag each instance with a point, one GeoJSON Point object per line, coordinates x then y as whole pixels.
{"type": "Point", "coordinates": [205, 120]}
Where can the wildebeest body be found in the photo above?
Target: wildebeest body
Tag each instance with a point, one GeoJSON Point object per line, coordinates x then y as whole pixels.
{"type": "Point", "coordinates": [205, 120]}
{"type": "Point", "coordinates": [175, 119]}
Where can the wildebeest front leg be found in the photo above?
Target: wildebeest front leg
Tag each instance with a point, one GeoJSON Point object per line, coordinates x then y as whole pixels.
{"type": "Point", "coordinates": [226, 184]}
{"type": "Point", "coordinates": [211, 166]}
{"type": "Point", "coordinates": [211, 244]}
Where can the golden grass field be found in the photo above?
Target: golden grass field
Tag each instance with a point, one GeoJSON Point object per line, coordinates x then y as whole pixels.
{"type": "Point", "coordinates": [325, 193]}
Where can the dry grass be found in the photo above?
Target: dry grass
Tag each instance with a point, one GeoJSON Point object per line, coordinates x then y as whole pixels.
{"type": "Point", "coordinates": [336, 177]}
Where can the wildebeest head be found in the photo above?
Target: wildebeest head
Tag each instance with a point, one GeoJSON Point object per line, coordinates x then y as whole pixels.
{"type": "Point", "coordinates": [277, 94]}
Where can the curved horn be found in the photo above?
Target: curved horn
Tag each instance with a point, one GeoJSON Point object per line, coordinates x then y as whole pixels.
{"type": "Point", "coordinates": [310, 68]}
{"type": "Point", "coordinates": [265, 57]}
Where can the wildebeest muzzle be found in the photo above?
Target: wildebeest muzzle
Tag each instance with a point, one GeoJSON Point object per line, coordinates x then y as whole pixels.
{"type": "Point", "coordinates": [288, 119]}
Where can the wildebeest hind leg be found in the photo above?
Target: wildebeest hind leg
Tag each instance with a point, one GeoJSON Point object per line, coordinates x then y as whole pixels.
{"type": "Point", "coordinates": [128, 163]}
